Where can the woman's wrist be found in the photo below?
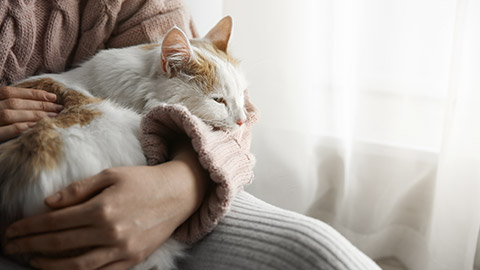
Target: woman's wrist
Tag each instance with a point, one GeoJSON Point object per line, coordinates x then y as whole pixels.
{"type": "Point", "coordinates": [187, 180]}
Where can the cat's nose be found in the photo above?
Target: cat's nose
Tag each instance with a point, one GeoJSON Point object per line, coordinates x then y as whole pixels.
{"type": "Point", "coordinates": [240, 122]}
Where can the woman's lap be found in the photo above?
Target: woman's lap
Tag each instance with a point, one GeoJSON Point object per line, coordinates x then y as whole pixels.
{"type": "Point", "coordinates": [256, 235]}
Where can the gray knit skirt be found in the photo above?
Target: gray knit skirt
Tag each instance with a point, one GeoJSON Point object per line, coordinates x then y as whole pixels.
{"type": "Point", "coordinates": [257, 235]}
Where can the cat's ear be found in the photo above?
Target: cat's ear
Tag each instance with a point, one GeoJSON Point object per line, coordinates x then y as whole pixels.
{"type": "Point", "coordinates": [220, 33]}
{"type": "Point", "coordinates": [176, 51]}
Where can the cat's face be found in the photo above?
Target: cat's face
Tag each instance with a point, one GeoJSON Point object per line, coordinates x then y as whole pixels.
{"type": "Point", "coordinates": [207, 80]}
{"type": "Point", "coordinates": [219, 88]}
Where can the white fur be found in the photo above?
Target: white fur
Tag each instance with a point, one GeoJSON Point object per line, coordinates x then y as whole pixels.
{"type": "Point", "coordinates": [131, 81]}
{"type": "Point", "coordinates": [106, 142]}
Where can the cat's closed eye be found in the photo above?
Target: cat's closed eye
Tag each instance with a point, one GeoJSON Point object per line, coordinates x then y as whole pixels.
{"type": "Point", "coordinates": [220, 100]}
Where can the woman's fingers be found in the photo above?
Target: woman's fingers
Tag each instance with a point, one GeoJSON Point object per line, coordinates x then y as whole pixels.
{"type": "Point", "coordinates": [80, 191]}
{"type": "Point", "coordinates": [57, 241]}
{"type": "Point", "coordinates": [7, 92]}
{"type": "Point", "coordinates": [20, 107]}
{"type": "Point", "coordinates": [93, 259]}
{"type": "Point", "coordinates": [14, 130]}
{"type": "Point", "coordinates": [9, 116]}
{"type": "Point", "coordinates": [77, 215]}
{"type": "Point", "coordinates": [131, 209]}
{"type": "Point", "coordinates": [71, 217]}
{"type": "Point", "coordinates": [31, 105]}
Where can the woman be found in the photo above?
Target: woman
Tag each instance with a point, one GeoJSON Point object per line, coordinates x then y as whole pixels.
{"type": "Point", "coordinates": [51, 36]}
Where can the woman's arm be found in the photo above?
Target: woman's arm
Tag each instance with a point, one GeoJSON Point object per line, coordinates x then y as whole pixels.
{"type": "Point", "coordinates": [125, 213]}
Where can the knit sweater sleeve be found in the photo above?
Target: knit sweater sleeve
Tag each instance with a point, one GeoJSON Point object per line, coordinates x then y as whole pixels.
{"type": "Point", "coordinates": [225, 155]}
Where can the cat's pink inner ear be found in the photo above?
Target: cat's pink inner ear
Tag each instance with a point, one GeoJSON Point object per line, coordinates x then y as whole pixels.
{"type": "Point", "coordinates": [220, 33]}
{"type": "Point", "coordinates": [176, 49]}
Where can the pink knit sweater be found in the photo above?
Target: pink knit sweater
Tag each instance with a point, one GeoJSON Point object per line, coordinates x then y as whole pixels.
{"type": "Point", "coordinates": [51, 36]}
{"type": "Point", "coordinates": [225, 155]}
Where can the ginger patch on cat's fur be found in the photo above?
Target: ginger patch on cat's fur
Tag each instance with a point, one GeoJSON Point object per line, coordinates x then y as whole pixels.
{"type": "Point", "coordinates": [203, 72]}
{"type": "Point", "coordinates": [42, 144]}
{"type": "Point", "coordinates": [74, 111]}
{"type": "Point", "coordinates": [202, 68]}
{"type": "Point", "coordinates": [208, 46]}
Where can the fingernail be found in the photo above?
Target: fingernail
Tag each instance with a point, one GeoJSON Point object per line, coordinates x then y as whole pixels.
{"type": "Point", "coordinates": [58, 107]}
{"type": "Point", "coordinates": [31, 124]}
{"type": "Point", "coordinates": [51, 114]}
{"type": "Point", "coordinates": [54, 198]}
{"type": "Point", "coordinates": [51, 97]}
{"type": "Point", "coordinates": [11, 248]}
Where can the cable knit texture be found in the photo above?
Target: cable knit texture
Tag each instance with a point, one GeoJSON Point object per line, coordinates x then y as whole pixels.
{"type": "Point", "coordinates": [224, 154]}
{"type": "Point", "coordinates": [50, 36]}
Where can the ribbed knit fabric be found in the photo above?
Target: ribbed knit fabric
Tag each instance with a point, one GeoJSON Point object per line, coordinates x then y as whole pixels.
{"type": "Point", "coordinates": [257, 235]}
{"type": "Point", "coordinates": [225, 155]}
{"type": "Point", "coordinates": [50, 36]}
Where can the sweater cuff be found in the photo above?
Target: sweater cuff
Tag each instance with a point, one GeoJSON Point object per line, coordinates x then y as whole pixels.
{"type": "Point", "coordinates": [225, 155]}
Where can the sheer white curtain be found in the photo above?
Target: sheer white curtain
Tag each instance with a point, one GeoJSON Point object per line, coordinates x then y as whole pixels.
{"type": "Point", "coordinates": [370, 120]}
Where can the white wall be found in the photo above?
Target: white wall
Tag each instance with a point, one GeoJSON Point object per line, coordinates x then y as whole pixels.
{"type": "Point", "coordinates": [205, 13]}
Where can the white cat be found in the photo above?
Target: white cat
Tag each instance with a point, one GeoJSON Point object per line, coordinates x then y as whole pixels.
{"type": "Point", "coordinates": [104, 100]}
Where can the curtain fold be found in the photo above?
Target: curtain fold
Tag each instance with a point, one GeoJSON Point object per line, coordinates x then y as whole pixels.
{"type": "Point", "coordinates": [370, 120]}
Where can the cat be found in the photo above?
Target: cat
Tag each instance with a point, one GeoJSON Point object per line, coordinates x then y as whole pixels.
{"type": "Point", "coordinates": [104, 99]}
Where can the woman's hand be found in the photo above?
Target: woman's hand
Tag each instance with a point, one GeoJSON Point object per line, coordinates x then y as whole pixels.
{"type": "Point", "coordinates": [21, 108]}
{"type": "Point", "coordinates": [123, 214]}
